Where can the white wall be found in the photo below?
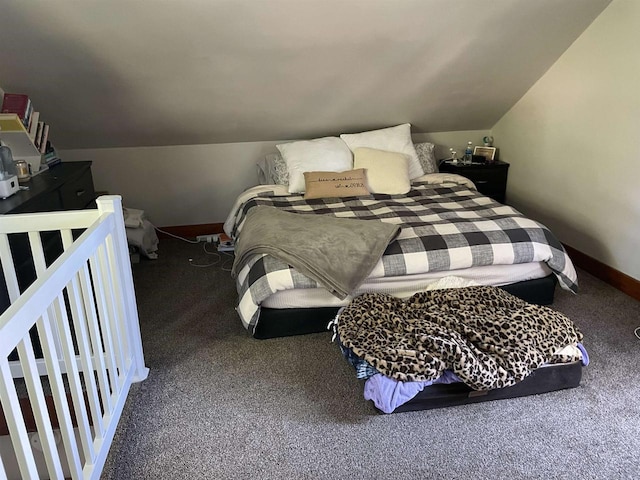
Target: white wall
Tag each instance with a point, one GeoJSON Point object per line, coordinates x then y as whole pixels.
{"type": "Point", "coordinates": [572, 142]}
{"type": "Point", "coordinates": [195, 184]}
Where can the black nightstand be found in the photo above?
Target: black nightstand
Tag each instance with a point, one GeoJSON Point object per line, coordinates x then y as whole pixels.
{"type": "Point", "coordinates": [489, 178]}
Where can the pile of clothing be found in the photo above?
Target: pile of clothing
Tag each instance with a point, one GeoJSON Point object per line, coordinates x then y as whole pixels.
{"type": "Point", "coordinates": [141, 235]}
{"type": "Point", "coordinates": [478, 335]}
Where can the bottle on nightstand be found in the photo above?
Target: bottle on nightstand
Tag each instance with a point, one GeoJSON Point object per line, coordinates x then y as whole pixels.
{"type": "Point", "coordinates": [468, 154]}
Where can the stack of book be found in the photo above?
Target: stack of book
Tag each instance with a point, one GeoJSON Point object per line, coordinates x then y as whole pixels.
{"type": "Point", "coordinates": [225, 243]}
{"type": "Point", "coordinates": [50, 157]}
{"type": "Point", "coordinates": [21, 105]}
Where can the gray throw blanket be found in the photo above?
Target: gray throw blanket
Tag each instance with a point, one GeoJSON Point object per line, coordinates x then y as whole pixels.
{"type": "Point", "coordinates": [338, 253]}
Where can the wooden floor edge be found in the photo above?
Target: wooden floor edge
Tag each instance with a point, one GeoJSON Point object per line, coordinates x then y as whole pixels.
{"type": "Point", "coordinates": [607, 274]}
{"type": "Point", "coordinates": [190, 231]}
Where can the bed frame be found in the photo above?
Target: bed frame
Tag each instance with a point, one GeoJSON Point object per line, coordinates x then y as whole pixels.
{"type": "Point", "coordinates": [542, 380]}
{"type": "Point", "coordinates": [82, 311]}
{"type": "Point", "coordinates": [283, 322]}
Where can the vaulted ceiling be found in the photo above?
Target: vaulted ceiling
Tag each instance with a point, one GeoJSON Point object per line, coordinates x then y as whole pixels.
{"type": "Point", "coordinates": [116, 73]}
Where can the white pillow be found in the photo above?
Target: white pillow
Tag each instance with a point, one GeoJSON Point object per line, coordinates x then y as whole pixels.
{"type": "Point", "coordinates": [387, 172]}
{"type": "Point", "coordinates": [327, 154]}
{"type": "Point", "coordinates": [392, 139]}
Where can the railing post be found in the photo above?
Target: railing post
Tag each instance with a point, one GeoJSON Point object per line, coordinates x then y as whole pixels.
{"type": "Point", "coordinates": [113, 204]}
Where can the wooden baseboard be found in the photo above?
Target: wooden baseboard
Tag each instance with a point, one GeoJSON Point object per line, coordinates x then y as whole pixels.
{"type": "Point", "coordinates": [190, 231]}
{"type": "Point", "coordinates": [607, 274]}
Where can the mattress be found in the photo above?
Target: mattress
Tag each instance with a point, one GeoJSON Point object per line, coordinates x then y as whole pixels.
{"type": "Point", "coordinates": [405, 286]}
{"type": "Point", "coordinates": [282, 322]}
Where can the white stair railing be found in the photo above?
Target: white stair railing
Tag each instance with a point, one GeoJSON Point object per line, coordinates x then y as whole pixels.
{"type": "Point", "coordinates": [83, 311]}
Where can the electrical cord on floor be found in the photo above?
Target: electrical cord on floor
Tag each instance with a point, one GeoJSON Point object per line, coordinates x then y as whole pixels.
{"type": "Point", "coordinates": [226, 265]}
{"type": "Point", "coordinates": [205, 265]}
{"type": "Point", "coordinates": [228, 262]}
{"type": "Point", "coordinates": [176, 236]}
{"type": "Point", "coordinates": [637, 332]}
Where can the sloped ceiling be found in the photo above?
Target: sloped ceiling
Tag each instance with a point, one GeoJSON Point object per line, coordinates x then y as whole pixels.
{"type": "Point", "coordinates": [118, 73]}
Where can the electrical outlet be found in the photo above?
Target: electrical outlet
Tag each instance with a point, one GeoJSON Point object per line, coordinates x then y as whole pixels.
{"type": "Point", "coordinates": [207, 238]}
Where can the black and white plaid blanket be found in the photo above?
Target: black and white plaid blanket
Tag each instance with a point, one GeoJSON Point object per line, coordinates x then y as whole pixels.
{"type": "Point", "coordinates": [443, 228]}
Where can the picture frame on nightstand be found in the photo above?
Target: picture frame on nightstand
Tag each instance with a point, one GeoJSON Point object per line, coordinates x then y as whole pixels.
{"type": "Point", "coordinates": [489, 153]}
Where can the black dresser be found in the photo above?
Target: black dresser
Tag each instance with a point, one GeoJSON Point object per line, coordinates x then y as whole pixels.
{"type": "Point", "coordinates": [66, 186]}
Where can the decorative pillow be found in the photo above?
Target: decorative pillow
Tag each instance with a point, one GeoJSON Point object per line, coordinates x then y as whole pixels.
{"type": "Point", "coordinates": [427, 157]}
{"type": "Point", "coordinates": [351, 183]}
{"type": "Point", "coordinates": [327, 154]}
{"type": "Point", "coordinates": [387, 172]}
{"type": "Point", "coordinates": [272, 170]}
{"type": "Point", "coordinates": [392, 139]}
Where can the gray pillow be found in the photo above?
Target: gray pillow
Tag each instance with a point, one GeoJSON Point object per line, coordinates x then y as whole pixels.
{"type": "Point", "coordinates": [272, 170]}
{"type": "Point", "coordinates": [427, 157]}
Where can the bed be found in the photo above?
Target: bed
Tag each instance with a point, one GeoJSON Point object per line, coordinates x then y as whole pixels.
{"type": "Point", "coordinates": [338, 220]}
{"type": "Point", "coordinates": [445, 228]}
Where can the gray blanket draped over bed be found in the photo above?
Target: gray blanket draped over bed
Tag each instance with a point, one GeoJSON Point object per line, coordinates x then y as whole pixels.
{"type": "Point", "coordinates": [339, 253]}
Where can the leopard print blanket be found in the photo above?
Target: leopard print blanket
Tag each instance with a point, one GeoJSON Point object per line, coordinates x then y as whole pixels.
{"type": "Point", "coordinates": [487, 337]}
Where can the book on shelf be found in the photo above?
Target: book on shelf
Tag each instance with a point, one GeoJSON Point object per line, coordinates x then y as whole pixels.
{"type": "Point", "coordinates": [38, 135]}
{"type": "Point", "coordinates": [33, 125]}
{"type": "Point", "coordinates": [45, 137]}
{"type": "Point", "coordinates": [20, 104]}
{"type": "Point", "coordinates": [27, 119]}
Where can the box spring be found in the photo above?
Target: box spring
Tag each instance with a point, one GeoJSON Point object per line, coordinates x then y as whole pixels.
{"type": "Point", "coordinates": [281, 322]}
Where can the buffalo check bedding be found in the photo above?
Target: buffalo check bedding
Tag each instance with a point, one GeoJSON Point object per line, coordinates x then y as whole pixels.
{"type": "Point", "coordinates": [443, 227]}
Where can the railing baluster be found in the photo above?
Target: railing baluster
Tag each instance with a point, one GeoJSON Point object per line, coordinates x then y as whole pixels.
{"type": "Point", "coordinates": [15, 422]}
{"type": "Point", "coordinates": [112, 319]}
{"type": "Point", "coordinates": [8, 268]}
{"type": "Point", "coordinates": [79, 318]}
{"type": "Point", "coordinates": [96, 338]}
{"type": "Point", "coordinates": [39, 407]}
{"type": "Point", "coordinates": [3, 473]}
{"type": "Point", "coordinates": [119, 296]}
{"type": "Point", "coordinates": [73, 377]}
{"type": "Point", "coordinates": [59, 395]}
{"type": "Point", "coordinates": [103, 315]}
